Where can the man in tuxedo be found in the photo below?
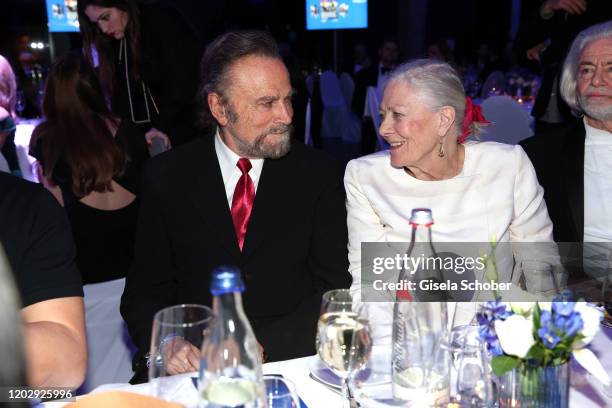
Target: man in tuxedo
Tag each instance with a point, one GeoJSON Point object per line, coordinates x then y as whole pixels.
{"type": "Point", "coordinates": [246, 196]}
{"type": "Point", "coordinates": [376, 76]}
{"type": "Point", "coordinates": [574, 163]}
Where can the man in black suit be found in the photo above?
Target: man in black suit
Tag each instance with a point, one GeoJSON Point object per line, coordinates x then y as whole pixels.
{"type": "Point", "coordinates": [573, 163]}
{"type": "Point", "coordinates": [376, 76]}
{"type": "Point", "coordinates": [243, 196]}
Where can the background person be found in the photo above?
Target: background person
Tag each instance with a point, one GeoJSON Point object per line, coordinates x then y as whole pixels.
{"type": "Point", "coordinates": [148, 62]}
{"type": "Point", "coordinates": [92, 162]}
{"type": "Point", "coordinates": [8, 97]}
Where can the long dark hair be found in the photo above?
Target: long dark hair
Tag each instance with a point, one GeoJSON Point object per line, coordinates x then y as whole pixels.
{"type": "Point", "coordinates": [103, 44]}
{"type": "Point", "coordinates": [77, 128]}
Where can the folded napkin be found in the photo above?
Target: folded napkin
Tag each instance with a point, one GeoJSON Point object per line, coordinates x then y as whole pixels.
{"type": "Point", "coordinates": [121, 399]}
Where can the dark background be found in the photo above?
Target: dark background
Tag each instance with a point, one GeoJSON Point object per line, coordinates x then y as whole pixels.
{"type": "Point", "coordinates": [412, 23]}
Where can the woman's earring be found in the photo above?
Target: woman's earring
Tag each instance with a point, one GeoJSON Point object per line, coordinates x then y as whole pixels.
{"type": "Point", "coordinates": [441, 152]}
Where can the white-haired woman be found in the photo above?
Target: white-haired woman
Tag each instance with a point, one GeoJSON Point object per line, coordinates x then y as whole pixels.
{"type": "Point", "coordinates": [477, 191]}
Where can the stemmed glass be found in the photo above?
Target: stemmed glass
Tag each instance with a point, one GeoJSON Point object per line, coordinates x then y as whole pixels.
{"type": "Point", "coordinates": [344, 342]}
{"type": "Point", "coordinates": [177, 337]}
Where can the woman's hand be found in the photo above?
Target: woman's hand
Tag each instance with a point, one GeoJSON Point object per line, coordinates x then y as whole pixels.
{"type": "Point", "coordinates": [154, 133]}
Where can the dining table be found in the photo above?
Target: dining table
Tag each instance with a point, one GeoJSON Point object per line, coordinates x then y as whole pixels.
{"type": "Point", "coordinates": [585, 391]}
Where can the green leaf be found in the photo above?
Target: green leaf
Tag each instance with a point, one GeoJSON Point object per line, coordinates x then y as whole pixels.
{"type": "Point", "coordinates": [503, 364]}
{"type": "Point", "coordinates": [536, 318]}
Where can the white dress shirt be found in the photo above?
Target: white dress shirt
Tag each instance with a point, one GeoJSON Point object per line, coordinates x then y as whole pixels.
{"type": "Point", "coordinates": [230, 171]}
{"type": "Point", "coordinates": [597, 185]}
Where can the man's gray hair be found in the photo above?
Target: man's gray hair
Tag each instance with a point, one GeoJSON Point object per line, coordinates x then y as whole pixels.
{"type": "Point", "coordinates": [440, 86]}
{"type": "Point", "coordinates": [569, 73]}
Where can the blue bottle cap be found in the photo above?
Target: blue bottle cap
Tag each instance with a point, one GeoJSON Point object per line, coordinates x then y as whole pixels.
{"type": "Point", "coordinates": [226, 279]}
{"type": "Point", "coordinates": [421, 216]}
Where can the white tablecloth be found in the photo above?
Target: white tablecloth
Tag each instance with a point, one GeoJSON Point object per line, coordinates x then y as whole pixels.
{"type": "Point", "coordinates": [586, 391]}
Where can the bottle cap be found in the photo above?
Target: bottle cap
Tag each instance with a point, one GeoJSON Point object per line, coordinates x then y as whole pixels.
{"type": "Point", "coordinates": [421, 217]}
{"type": "Point", "coordinates": [226, 279]}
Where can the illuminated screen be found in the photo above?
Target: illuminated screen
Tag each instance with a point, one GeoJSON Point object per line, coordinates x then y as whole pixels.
{"type": "Point", "coordinates": [333, 15]}
{"type": "Point", "coordinates": [62, 15]}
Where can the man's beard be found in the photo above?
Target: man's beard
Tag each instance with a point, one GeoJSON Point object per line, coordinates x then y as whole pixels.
{"type": "Point", "coordinates": [598, 112]}
{"type": "Point", "coordinates": [260, 149]}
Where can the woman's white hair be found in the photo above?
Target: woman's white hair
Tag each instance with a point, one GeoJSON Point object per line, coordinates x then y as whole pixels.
{"type": "Point", "coordinates": [440, 86]}
{"type": "Point", "coordinates": [569, 73]}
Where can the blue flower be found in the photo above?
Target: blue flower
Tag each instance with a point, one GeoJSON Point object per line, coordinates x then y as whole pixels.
{"type": "Point", "coordinates": [489, 313]}
{"type": "Point", "coordinates": [563, 308]}
{"type": "Point", "coordinates": [547, 331]}
{"type": "Point", "coordinates": [569, 325]}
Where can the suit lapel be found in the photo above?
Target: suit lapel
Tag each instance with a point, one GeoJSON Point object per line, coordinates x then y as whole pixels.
{"type": "Point", "coordinates": [210, 198]}
{"type": "Point", "coordinates": [268, 202]}
{"type": "Point", "coordinates": [574, 177]}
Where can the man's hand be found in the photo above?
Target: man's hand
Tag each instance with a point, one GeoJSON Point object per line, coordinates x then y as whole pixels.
{"type": "Point", "coordinates": [180, 356]}
{"type": "Point", "coordinates": [571, 6]}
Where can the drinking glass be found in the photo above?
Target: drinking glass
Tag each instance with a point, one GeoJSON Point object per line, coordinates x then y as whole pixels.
{"type": "Point", "coordinates": [178, 333]}
{"type": "Point", "coordinates": [280, 392]}
{"type": "Point", "coordinates": [472, 386]}
{"type": "Point", "coordinates": [344, 342]}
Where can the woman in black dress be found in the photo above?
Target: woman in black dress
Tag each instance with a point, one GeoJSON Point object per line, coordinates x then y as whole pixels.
{"type": "Point", "coordinates": [148, 59]}
{"type": "Point", "coordinates": [91, 161]}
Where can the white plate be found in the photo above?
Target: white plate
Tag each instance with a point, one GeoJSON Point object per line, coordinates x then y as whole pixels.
{"type": "Point", "coordinates": [377, 372]}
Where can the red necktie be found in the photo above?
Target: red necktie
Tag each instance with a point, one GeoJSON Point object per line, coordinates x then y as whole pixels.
{"type": "Point", "coordinates": [242, 203]}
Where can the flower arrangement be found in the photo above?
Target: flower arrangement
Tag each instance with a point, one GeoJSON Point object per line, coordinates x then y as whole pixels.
{"type": "Point", "coordinates": [541, 334]}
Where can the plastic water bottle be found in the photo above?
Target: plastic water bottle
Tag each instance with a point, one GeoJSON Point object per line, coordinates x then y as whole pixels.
{"type": "Point", "coordinates": [230, 368]}
{"type": "Point", "coordinates": [420, 355]}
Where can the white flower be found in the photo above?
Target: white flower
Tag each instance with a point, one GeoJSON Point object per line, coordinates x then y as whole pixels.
{"type": "Point", "coordinates": [515, 335]}
{"type": "Point", "coordinates": [545, 306]}
{"type": "Point", "coordinates": [522, 308]}
{"type": "Point", "coordinates": [591, 317]}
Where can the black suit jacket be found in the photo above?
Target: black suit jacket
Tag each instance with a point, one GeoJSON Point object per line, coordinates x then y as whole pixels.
{"type": "Point", "coordinates": [363, 79]}
{"type": "Point", "coordinates": [558, 159]}
{"type": "Point", "coordinates": [295, 248]}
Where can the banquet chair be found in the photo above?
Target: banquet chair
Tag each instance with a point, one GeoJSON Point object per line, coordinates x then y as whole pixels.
{"type": "Point", "coordinates": [495, 82]}
{"type": "Point", "coordinates": [110, 351]}
{"type": "Point", "coordinates": [338, 121]}
{"type": "Point", "coordinates": [510, 122]}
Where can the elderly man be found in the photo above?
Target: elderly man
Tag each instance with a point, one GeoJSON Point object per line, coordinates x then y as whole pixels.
{"type": "Point", "coordinates": [574, 164]}
{"type": "Point", "coordinates": [242, 196]}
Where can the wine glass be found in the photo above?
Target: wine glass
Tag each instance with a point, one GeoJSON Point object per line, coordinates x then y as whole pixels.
{"type": "Point", "coordinates": [178, 333]}
{"type": "Point", "coordinates": [280, 392]}
{"type": "Point", "coordinates": [344, 342]}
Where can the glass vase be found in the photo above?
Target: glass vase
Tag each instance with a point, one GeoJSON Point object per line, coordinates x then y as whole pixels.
{"type": "Point", "coordinates": [530, 386]}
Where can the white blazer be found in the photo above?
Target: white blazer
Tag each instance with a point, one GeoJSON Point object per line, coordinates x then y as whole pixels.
{"type": "Point", "coordinates": [496, 195]}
